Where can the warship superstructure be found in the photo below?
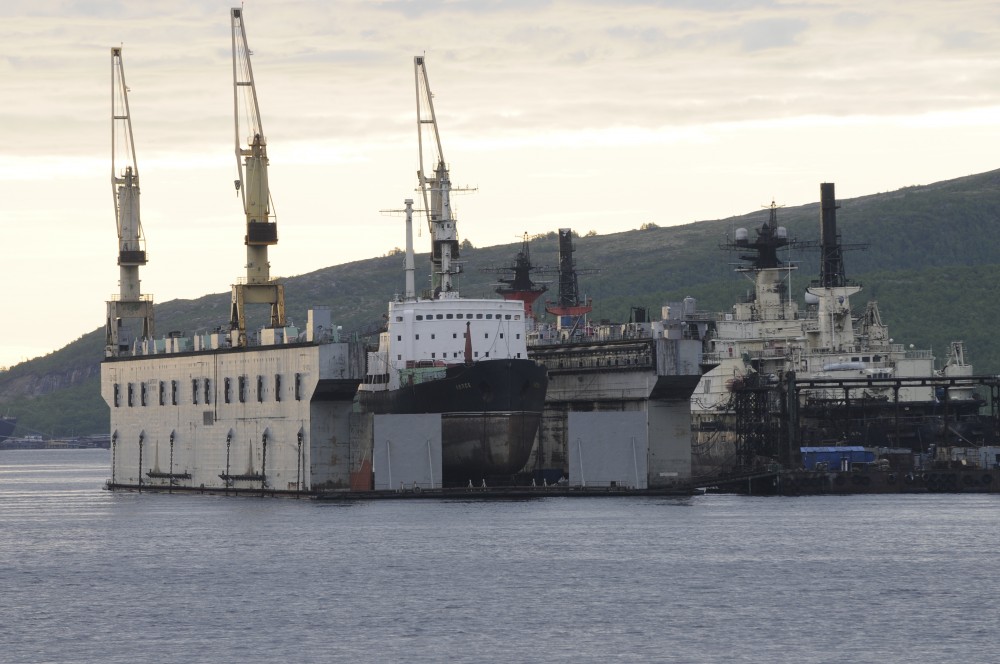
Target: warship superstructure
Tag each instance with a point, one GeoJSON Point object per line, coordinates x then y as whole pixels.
{"type": "Point", "coordinates": [768, 338]}
{"type": "Point", "coordinates": [463, 358]}
{"type": "Point", "coordinates": [229, 410]}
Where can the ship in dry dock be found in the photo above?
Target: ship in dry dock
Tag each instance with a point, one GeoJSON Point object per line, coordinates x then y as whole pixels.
{"type": "Point", "coordinates": [783, 382]}
{"type": "Point", "coordinates": [463, 358]}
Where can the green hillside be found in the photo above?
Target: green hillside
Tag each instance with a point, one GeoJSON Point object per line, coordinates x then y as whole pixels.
{"type": "Point", "coordinates": [930, 261]}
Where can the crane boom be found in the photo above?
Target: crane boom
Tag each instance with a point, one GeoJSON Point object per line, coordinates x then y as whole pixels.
{"type": "Point", "coordinates": [435, 186]}
{"type": "Point", "coordinates": [251, 166]}
{"type": "Point", "coordinates": [129, 303]}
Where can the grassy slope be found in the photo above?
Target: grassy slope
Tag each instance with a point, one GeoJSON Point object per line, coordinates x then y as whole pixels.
{"type": "Point", "coordinates": [930, 262]}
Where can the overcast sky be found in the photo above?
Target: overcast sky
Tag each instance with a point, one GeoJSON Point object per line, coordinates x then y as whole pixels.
{"type": "Point", "coordinates": [593, 114]}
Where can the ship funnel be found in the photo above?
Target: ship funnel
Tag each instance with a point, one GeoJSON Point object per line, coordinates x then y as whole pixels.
{"type": "Point", "coordinates": [832, 265]}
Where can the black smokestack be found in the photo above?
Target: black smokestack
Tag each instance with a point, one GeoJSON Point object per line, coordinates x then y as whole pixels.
{"type": "Point", "coordinates": [831, 273]}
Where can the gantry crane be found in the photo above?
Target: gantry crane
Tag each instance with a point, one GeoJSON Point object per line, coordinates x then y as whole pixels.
{"type": "Point", "coordinates": [251, 166]}
{"type": "Point", "coordinates": [435, 186]}
{"type": "Point", "coordinates": [130, 303]}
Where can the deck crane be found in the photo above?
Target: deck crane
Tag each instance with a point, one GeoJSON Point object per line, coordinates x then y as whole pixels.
{"type": "Point", "coordinates": [130, 303]}
{"type": "Point", "coordinates": [251, 165]}
{"type": "Point", "coordinates": [435, 185]}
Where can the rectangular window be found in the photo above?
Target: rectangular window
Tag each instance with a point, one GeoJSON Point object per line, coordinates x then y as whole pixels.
{"type": "Point", "coordinates": [243, 389]}
{"type": "Point", "coordinates": [518, 335]}
{"type": "Point", "coordinates": [487, 353]}
{"type": "Point", "coordinates": [226, 390]}
{"type": "Point", "coordinates": [142, 393]}
{"type": "Point", "coordinates": [433, 336]}
{"type": "Point", "coordinates": [487, 335]}
{"type": "Point", "coordinates": [399, 337]}
{"type": "Point", "coordinates": [478, 316]}
{"type": "Point", "coordinates": [419, 317]}
{"type": "Point", "coordinates": [118, 394]}
{"type": "Point", "coordinates": [507, 317]}
{"type": "Point", "coordinates": [277, 387]}
{"type": "Point", "coordinates": [208, 390]}
{"type": "Point", "coordinates": [501, 335]}
{"type": "Point", "coordinates": [454, 335]}
{"type": "Point", "coordinates": [488, 316]}
{"type": "Point", "coordinates": [298, 387]}
{"type": "Point", "coordinates": [260, 389]}
{"type": "Point", "coordinates": [163, 393]}
{"type": "Point", "coordinates": [194, 391]}
{"type": "Point", "coordinates": [131, 395]}
{"type": "Point", "coordinates": [173, 392]}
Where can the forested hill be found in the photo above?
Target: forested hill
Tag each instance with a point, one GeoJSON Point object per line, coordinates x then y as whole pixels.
{"type": "Point", "coordinates": [931, 260]}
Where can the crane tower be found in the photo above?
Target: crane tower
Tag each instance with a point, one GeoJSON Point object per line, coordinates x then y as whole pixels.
{"type": "Point", "coordinates": [251, 166]}
{"type": "Point", "coordinates": [129, 306]}
{"type": "Point", "coordinates": [435, 186]}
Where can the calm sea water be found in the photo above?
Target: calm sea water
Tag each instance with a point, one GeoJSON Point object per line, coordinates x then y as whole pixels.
{"type": "Point", "coordinates": [91, 576]}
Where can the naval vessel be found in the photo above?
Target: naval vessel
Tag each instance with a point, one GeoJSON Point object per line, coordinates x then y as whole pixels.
{"type": "Point", "coordinates": [463, 358]}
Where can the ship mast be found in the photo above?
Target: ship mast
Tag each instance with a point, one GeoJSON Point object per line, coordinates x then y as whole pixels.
{"type": "Point", "coordinates": [251, 166]}
{"type": "Point", "coordinates": [129, 303]}
{"type": "Point", "coordinates": [435, 186]}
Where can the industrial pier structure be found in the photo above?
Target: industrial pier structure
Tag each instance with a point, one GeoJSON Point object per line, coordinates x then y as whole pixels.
{"type": "Point", "coordinates": [617, 411]}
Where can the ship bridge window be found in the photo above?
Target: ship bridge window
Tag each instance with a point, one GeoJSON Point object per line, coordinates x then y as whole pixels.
{"type": "Point", "coordinates": [489, 316]}
{"type": "Point", "coordinates": [194, 391]}
{"type": "Point", "coordinates": [439, 316]}
{"type": "Point", "coordinates": [866, 358]}
{"type": "Point", "coordinates": [507, 317]}
{"type": "Point", "coordinates": [449, 316]}
{"type": "Point", "coordinates": [399, 319]}
{"type": "Point", "coordinates": [173, 392]}
{"type": "Point", "coordinates": [419, 317]}
{"type": "Point", "coordinates": [478, 316]}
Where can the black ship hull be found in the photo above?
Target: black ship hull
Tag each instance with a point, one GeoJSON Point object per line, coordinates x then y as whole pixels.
{"type": "Point", "coordinates": [490, 414]}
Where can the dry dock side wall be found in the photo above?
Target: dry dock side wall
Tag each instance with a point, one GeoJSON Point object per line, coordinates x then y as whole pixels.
{"type": "Point", "coordinates": [274, 418]}
{"type": "Point", "coordinates": [659, 392]}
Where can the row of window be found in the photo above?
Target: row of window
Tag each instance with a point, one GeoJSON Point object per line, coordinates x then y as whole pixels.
{"type": "Point", "coordinates": [461, 316]}
{"type": "Point", "coordinates": [201, 391]}
{"type": "Point", "coordinates": [454, 355]}
{"type": "Point", "coordinates": [454, 335]}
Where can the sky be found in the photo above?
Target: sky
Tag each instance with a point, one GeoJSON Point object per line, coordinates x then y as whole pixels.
{"type": "Point", "coordinates": [599, 115]}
